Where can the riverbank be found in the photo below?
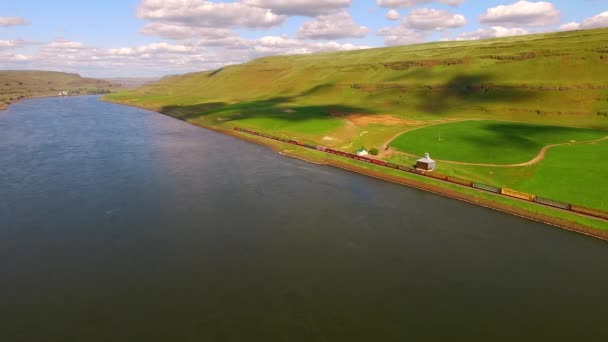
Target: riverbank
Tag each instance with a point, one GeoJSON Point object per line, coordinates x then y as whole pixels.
{"type": "Point", "coordinates": [5, 105]}
{"type": "Point", "coordinates": [583, 224]}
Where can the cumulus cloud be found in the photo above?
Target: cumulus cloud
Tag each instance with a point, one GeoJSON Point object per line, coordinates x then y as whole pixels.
{"type": "Point", "coordinates": [65, 44]}
{"type": "Point", "coordinates": [332, 26]}
{"type": "Point", "coordinates": [522, 13]}
{"type": "Point", "coordinates": [152, 48]}
{"type": "Point", "coordinates": [401, 35]}
{"type": "Point", "coordinates": [12, 21]}
{"type": "Point", "coordinates": [597, 21]}
{"type": "Point", "coordinates": [392, 15]}
{"type": "Point", "coordinates": [419, 23]}
{"type": "Point", "coordinates": [570, 26]}
{"type": "Point", "coordinates": [7, 44]}
{"type": "Point", "coordinates": [492, 32]}
{"type": "Point", "coordinates": [300, 7]}
{"type": "Point", "coordinates": [161, 57]}
{"type": "Point", "coordinates": [428, 19]}
{"type": "Point", "coordinates": [14, 43]}
{"type": "Point", "coordinates": [272, 45]}
{"type": "Point", "coordinates": [199, 13]}
{"type": "Point", "coordinates": [412, 3]}
{"type": "Point", "coordinates": [177, 32]}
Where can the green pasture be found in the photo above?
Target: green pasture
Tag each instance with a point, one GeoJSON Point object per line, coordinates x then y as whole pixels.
{"type": "Point", "coordinates": [569, 173]}
{"type": "Point", "coordinates": [489, 142]}
{"type": "Point", "coordinates": [572, 173]}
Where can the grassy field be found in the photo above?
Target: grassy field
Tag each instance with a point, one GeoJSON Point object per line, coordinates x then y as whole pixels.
{"type": "Point", "coordinates": [18, 84]}
{"type": "Point", "coordinates": [496, 101]}
{"type": "Point", "coordinates": [490, 142]}
{"type": "Point", "coordinates": [569, 173]}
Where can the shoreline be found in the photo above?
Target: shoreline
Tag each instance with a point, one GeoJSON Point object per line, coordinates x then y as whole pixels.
{"type": "Point", "coordinates": [4, 106]}
{"type": "Point", "coordinates": [420, 185]}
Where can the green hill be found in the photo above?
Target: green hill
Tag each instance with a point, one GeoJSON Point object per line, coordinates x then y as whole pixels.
{"type": "Point", "coordinates": [19, 84]}
{"type": "Point", "coordinates": [373, 98]}
{"type": "Point", "coordinates": [557, 78]}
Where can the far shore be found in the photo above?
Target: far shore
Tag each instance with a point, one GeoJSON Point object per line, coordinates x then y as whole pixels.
{"type": "Point", "coordinates": [4, 105]}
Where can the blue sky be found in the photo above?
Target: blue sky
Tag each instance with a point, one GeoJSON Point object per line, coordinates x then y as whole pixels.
{"type": "Point", "coordinates": [155, 37]}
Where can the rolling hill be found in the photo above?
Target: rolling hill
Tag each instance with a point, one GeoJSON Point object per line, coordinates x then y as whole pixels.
{"type": "Point", "coordinates": [19, 84]}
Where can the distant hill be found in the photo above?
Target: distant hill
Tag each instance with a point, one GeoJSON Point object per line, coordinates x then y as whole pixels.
{"type": "Point", "coordinates": [19, 84]}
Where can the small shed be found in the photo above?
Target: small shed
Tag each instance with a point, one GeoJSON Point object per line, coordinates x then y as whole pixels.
{"type": "Point", "coordinates": [426, 163]}
{"type": "Point", "coordinates": [362, 153]}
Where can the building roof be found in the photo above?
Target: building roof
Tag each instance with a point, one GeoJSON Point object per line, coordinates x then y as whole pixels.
{"type": "Point", "coordinates": [426, 159]}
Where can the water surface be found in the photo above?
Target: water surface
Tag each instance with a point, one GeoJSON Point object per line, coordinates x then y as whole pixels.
{"type": "Point", "coordinates": [120, 224]}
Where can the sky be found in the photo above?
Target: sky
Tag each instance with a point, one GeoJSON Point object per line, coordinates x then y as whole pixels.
{"type": "Point", "coordinates": [150, 38]}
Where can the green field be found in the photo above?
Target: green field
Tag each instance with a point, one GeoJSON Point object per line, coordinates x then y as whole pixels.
{"type": "Point", "coordinates": [489, 142]}
{"type": "Point", "coordinates": [495, 101]}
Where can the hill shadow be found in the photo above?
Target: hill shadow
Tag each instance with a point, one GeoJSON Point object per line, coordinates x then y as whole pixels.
{"type": "Point", "coordinates": [521, 136]}
{"type": "Point", "coordinates": [280, 107]}
{"type": "Point", "coordinates": [468, 89]}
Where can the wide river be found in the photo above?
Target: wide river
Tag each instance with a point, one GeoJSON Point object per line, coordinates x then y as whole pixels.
{"type": "Point", "coordinates": [121, 224]}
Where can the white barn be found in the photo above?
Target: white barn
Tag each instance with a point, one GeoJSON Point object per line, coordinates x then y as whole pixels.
{"type": "Point", "coordinates": [426, 163]}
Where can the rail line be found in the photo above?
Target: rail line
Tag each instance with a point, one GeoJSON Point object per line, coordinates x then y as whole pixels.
{"type": "Point", "coordinates": [454, 180]}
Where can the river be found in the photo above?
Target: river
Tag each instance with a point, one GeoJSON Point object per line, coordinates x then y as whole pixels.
{"type": "Point", "coordinates": [121, 224]}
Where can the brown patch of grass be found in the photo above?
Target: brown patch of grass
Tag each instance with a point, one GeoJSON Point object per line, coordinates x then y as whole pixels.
{"type": "Point", "coordinates": [364, 119]}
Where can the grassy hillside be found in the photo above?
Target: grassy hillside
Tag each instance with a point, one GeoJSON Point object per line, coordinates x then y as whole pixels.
{"type": "Point", "coordinates": [534, 90]}
{"type": "Point", "coordinates": [15, 85]}
{"type": "Point", "coordinates": [555, 78]}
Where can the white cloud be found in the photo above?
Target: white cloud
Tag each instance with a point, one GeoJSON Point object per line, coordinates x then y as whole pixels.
{"type": "Point", "coordinates": [418, 24]}
{"type": "Point", "coordinates": [522, 13]}
{"type": "Point", "coordinates": [570, 26]}
{"type": "Point", "coordinates": [19, 58]}
{"type": "Point", "coordinates": [412, 3]}
{"type": "Point", "coordinates": [7, 44]}
{"type": "Point", "coordinates": [152, 48]}
{"type": "Point", "coordinates": [160, 58]}
{"type": "Point", "coordinates": [199, 13]}
{"type": "Point", "coordinates": [177, 31]}
{"type": "Point", "coordinates": [65, 44]}
{"type": "Point", "coordinates": [428, 19]}
{"type": "Point", "coordinates": [392, 15]}
{"type": "Point", "coordinates": [401, 35]}
{"type": "Point", "coordinates": [300, 7]}
{"type": "Point", "coordinates": [11, 44]}
{"type": "Point", "coordinates": [332, 26]}
{"type": "Point", "coordinates": [12, 21]}
{"type": "Point", "coordinates": [492, 32]}
{"type": "Point", "coordinates": [597, 21]}
{"type": "Point", "coordinates": [272, 45]}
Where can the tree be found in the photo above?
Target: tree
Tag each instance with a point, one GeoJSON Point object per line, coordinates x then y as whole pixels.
{"type": "Point", "coordinates": [373, 151]}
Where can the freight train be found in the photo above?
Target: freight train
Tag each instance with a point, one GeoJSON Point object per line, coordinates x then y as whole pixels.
{"type": "Point", "coordinates": [480, 186]}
